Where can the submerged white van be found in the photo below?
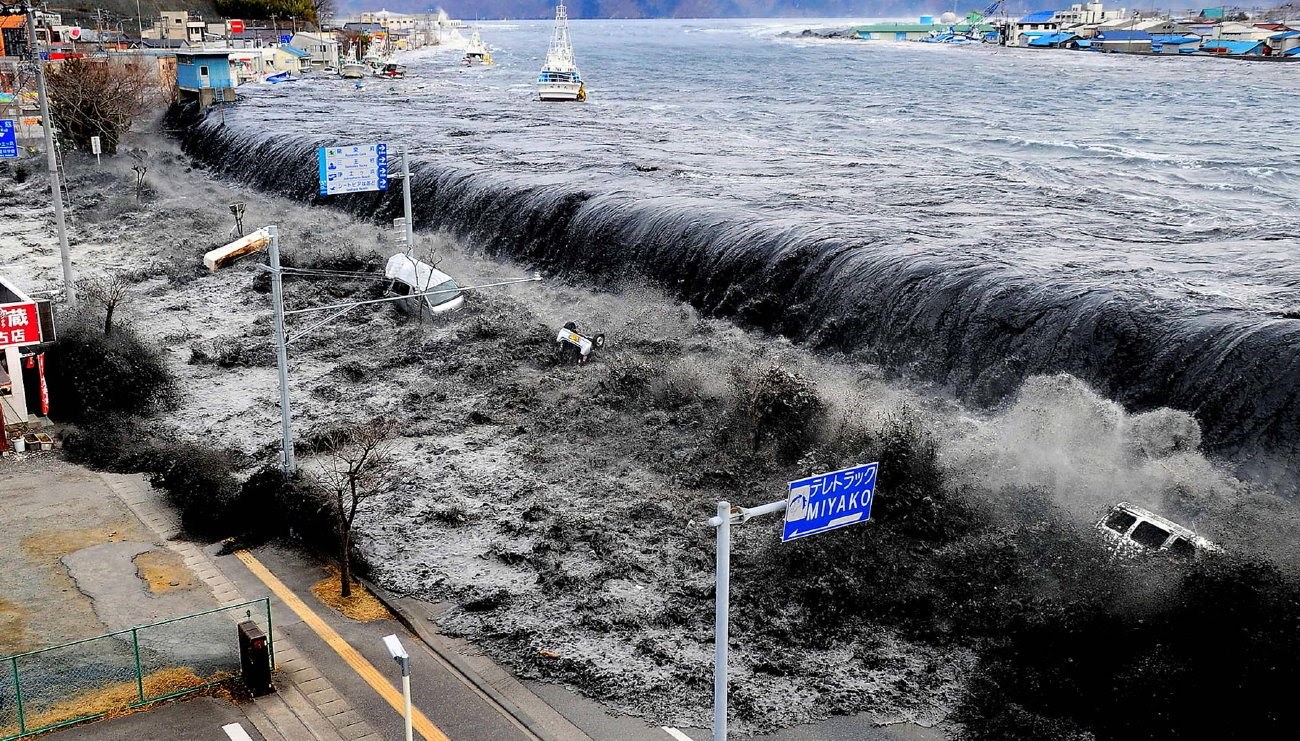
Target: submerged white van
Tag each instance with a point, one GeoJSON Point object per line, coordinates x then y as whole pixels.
{"type": "Point", "coordinates": [407, 275]}
{"type": "Point", "coordinates": [1135, 530]}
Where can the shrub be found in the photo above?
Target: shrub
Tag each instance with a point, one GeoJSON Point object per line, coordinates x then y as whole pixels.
{"type": "Point", "coordinates": [200, 483]}
{"type": "Point", "coordinates": [91, 374]}
{"type": "Point", "coordinates": [270, 506]}
{"type": "Point", "coordinates": [111, 443]}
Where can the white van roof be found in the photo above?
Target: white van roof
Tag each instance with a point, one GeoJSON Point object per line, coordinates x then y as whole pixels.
{"type": "Point", "coordinates": [418, 275]}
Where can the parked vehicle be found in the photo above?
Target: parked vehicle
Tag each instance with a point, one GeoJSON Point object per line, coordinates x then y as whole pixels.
{"type": "Point", "coordinates": [1135, 530]}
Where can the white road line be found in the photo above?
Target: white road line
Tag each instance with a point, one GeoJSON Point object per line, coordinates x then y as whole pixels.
{"type": "Point", "coordinates": [676, 734]}
{"type": "Point", "coordinates": [236, 732]}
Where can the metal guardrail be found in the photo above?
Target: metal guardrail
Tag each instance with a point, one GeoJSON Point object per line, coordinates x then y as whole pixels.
{"type": "Point", "coordinates": [113, 673]}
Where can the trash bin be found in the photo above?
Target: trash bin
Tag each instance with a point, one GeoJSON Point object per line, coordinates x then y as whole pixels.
{"type": "Point", "coordinates": [255, 658]}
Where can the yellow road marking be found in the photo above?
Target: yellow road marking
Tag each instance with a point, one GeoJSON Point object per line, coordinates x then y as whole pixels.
{"type": "Point", "coordinates": [359, 664]}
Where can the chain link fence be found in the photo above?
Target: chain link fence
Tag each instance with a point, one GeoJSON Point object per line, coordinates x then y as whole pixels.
{"type": "Point", "coordinates": [112, 673]}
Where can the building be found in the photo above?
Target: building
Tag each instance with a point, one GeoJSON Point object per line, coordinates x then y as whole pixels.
{"type": "Point", "coordinates": [13, 36]}
{"type": "Point", "coordinates": [322, 48]}
{"type": "Point", "coordinates": [390, 20]}
{"type": "Point", "coordinates": [1081, 18]}
{"type": "Point", "coordinates": [175, 25]}
{"type": "Point", "coordinates": [289, 59]}
{"type": "Point", "coordinates": [24, 324]}
{"type": "Point", "coordinates": [1125, 41]}
{"type": "Point", "coordinates": [912, 31]}
{"type": "Point", "coordinates": [205, 75]}
{"type": "Point", "coordinates": [1234, 47]}
{"type": "Point", "coordinates": [1175, 43]}
{"type": "Point", "coordinates": [1284, 42]}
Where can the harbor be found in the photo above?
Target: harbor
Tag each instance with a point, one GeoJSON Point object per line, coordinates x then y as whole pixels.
{"type": "Point", "coordinates": [1272, 35]}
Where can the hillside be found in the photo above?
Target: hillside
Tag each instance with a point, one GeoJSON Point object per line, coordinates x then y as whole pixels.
{"type": "Point", "coordinates": [83, 11]}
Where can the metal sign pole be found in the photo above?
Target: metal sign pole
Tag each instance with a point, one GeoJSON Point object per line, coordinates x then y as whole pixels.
{"type": "Point", "coordinates": [281, 355]}
{"type": "Point", "coordinates": [721, 620]}
{"type": "Point", "coordinates": [69, 283]}
{"type": "Point", "coordinates": [406, 197]}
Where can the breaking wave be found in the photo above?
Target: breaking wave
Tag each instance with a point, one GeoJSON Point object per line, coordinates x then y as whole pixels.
{"type": "Point", "coordinates": [969, 322]}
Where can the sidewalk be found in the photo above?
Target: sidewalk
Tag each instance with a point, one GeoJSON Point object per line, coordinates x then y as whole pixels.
{"type": "Point", "coordinates": [332, 671]}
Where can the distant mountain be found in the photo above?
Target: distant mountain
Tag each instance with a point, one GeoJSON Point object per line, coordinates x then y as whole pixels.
{"type": "Point", "coordinates": [496, 9]}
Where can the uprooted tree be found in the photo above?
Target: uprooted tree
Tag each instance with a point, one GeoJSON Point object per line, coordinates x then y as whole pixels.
{"type": "Point", "coordinates": [97, 98]}
{"type": "Point", "coordinates": [359, 465]}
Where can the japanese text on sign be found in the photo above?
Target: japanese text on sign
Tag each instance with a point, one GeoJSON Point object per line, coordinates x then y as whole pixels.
{"type": "Point", "coordinates": [19, 325]}
{"type": "Point", "coordinates": [8, 139]}
{"type": "Point", "coordinates": [353, 169]}
{"type": "Point", "coordinates": [829, 501]}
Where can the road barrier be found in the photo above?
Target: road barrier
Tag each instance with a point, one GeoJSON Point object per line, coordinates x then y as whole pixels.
{"type": "Point", "coordinates": [113, 673]}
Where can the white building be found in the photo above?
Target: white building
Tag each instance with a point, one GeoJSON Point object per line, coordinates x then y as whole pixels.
{"type": "Point", "coordinates": [389, 19]}
{"type": "Point", "coordinates": [323, 48]}
{"type": "Point", "coordinates": [1076, 17]}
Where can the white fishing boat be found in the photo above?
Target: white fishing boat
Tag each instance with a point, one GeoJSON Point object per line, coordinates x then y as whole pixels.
{"type": "Point", "coordinates": [476, 52]}
{"type": "Point", "coordinates": [354, 70]}
{"type": "Point", "coordinates": [559, 79]}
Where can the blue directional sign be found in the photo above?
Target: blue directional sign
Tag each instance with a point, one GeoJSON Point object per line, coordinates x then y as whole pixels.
{"type": "Point", "coordinates": [352, 169]}
{"type": "Point", "coordinates": [285, 38]}
{"type": "Point", "coordinates": [829, 501]}
{"type": "Point", "coordinates": [8, 139]}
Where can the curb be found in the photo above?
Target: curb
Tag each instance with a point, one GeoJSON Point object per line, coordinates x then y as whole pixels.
{"type": "Point", "coordinates": [456, 662]}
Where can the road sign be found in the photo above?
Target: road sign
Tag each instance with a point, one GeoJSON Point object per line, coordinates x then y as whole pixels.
{"type": "Point", "coordinates": [95, 145]}
{"type": "Point", "coordinates": [353, 169]}
{"type": "Point", "coordinates": [8, 139]}
{"type": "Point", "coordinates": [829, 501]}
{"type": "Point", "coordinates": [285, 38]}
{"type": "Point", "coordinates": [20, 324]}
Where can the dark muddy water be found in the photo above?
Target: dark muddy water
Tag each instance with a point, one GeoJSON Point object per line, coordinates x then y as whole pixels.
{"type": "Point", "coordinates": [970, 216]}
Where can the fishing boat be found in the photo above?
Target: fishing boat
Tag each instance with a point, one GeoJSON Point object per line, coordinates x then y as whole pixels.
{"type": "Point", "coordinates": [476, 51]}
{"type": "Point", "coordinates": [559, 79]}
{"type": "Point", "coordinates": [353, 70]}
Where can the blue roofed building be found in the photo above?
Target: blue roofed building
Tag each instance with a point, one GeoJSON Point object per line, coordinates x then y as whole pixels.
{"type": "Point", "coordinates": [1232, 47]}
{"type": "Point", "coordinates": [1174, 43]}
{"type": "Point", "coordinates": [1052, 40]}
{"type": "Point", "coordinates": [1128, 42]}
{"type": "Point", "coordinates": [1078, 18]}
{"type": "Point", "coordinates": [205, 75]}
{"type": "Point", "coordinates": [1284, 42]}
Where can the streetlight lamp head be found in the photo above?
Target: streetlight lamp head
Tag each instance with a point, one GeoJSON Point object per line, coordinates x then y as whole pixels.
{"type": "Point", "coordinates": [395, 649]}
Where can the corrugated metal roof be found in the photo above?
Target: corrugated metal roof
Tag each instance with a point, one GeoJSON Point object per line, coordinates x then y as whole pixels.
{"type": "Point", "coordinates": [1116, 35]}
{"type": "Point", "coordinates": [1052, 39]}
{"type": "Point", "coordinates": [1223, 46]}
{"type": "Point", "coordinates": [1174, 38]}
{"type": "Point", "coordinates": [295, 51]}
{"type": "Point", "coordinates": [1292, 52]}
{"type": "Point", "coordinates": [1038, 16]}
{"type": "Point", "coordinates": [1286, 35]}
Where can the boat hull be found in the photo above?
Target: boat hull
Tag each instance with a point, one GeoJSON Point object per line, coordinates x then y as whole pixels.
{"type": "Point", "coordinates": [559, 90]}
{"type": "Point", "coordinates": [353, 71]}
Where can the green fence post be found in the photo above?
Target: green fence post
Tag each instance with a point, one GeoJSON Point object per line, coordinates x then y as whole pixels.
{"type": "Point", "coordinates": [139, 670]}
{"type": "Point", "coordinates": [270, 633]}
{"type": "Point", "coordinates": [18, 697]}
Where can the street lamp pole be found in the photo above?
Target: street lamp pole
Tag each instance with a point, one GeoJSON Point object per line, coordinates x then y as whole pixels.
{"type": "Point", "coordinates": [52, 160]}
{"type": "Point", "coordinates": [398, 652]}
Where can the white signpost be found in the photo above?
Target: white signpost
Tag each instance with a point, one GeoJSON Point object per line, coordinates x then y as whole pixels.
{"type": "Point", "coordinates": [95, 148]}
{"type": "Point", "coordinates": [357, 168]}
{"type": "Point", "coordinates": [813, 505]}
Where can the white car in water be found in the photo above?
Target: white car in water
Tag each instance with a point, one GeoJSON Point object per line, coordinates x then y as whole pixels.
{"type": "Point", "coordinates": [1135, 530]}
{"type": "Point", "coordinates": [408, 275]}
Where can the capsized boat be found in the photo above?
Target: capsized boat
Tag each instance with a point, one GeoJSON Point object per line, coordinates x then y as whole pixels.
{"type": "Point", "coordinates": [560, 79]}
{"type": "Point", "coordinates": [476, 51]}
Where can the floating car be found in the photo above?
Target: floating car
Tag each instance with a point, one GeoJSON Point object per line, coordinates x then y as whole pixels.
{"type": "Point", "coordinates": [408, 276]}
{"type": "Point", "coordinates": [1135, 530]}
{"type": "Point", "coordinates": [575, 348]}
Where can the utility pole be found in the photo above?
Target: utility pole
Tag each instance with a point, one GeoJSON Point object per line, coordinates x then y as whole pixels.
{"type": "Point", "coordinates": [139, 21]}
{"type": "Point", "coordinates": [287, 463]}
{"type": "Point", "coordinates": [69, 283]}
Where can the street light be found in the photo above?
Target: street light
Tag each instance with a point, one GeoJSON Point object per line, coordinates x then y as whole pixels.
{"type": "Point", "coordinates": [403, 660]}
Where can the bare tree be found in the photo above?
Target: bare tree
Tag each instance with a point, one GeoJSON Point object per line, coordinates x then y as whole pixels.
{"type": "Point", "coordinates": [97, 98]}
{"type": "Point", "coordinates": [140, 168]}
{"type": "Point", "coordinates": [323, 9]}
{"type": "Point", "coordinates": [107, 292]}
{"type": "Point", "coordinates": [359, 466]}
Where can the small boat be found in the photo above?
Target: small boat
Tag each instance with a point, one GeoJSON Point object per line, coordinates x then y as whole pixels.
{"type": "Point", "coordinates": [559, 79]}
{"type": "Point", "coordinates": [477, 51]}
{"type": "Point", "coordinates": [353, 70]}
{"type": "Point", "coordinates": [391, 70]}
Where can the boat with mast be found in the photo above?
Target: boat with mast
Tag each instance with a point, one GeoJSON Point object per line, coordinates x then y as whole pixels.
{"type": "Point", "coordinates": [559, 79]}
{"type": "Point", "coordinates": [477, 51]}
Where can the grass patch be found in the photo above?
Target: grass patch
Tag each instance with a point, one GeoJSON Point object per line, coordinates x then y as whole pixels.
{"type": "Point", "coordinates": [362, 606]}
{"type": "Point", "coordinates": [114, 700]}
{"type": "Point", "coordinates": [60, 543]}
{"type": "Point", "coordinates": [163, 571]}
{"type": "Point", "coordinates": [14, 637]}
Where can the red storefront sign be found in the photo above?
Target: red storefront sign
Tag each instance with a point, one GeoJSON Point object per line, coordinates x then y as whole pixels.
{"type": "Point", "coordinates": [19, 325]}
{"type": "Point", "coordinates": [236, 26]}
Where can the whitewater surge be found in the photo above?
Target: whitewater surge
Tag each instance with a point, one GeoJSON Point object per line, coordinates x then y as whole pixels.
{"type": "Point", "coordinates": [1006, 239]}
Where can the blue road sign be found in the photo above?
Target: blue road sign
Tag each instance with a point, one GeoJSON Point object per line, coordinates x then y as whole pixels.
{"type": "Point", "coordinates": [829, 501]}
{"type": "Point", "coordinates": [8, 139]}
{"type": "Point", "coordinates": [352, 169]}
{"type": "Point", "coordinates": [285, 38]}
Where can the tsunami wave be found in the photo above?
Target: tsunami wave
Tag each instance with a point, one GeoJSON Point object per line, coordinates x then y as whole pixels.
{"type": "Point", "coordinates": [969, 322]}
